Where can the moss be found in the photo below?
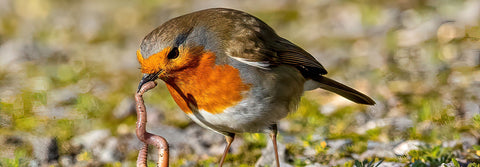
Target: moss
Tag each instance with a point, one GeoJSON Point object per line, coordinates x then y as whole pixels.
{"type": "Point", "coordinates": [89, 105]}
{"type": "Point", "coordinates": [433, 156]}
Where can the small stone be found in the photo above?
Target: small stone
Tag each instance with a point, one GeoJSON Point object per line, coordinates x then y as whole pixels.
{"type": "Point", "coordinates": [309, 151]}
{"type": "Point", "coordinates": [468, 141]}
{"type": "Point", "coordinates": [470, 13]}
{"type": "Point", "coordinates": [45, 149]}
{"type": "Point", "coordinates": [91, 139]}
{"type": "Point", "coordinates": [377, 149]}
{"type": "Point", "coordinates": [125, 108]}
{"type": "Point", "coordinates": [336, 145]}
{"type": "Point", "coordinates": [268, 156]}
{"type": "Point", "coordinates": [372, 124]}
{"type": "Point", "coordinates": [405, 147]}
{"type": "Point", "coordinates": [204, 141]}
{"type": "Point", "coordinates": [469, 109]}
{"type": "Point", "coordinates": [402, 123]}
{"type": "Point", "coordinates": [12, 55]}
{"type": "Point", "coordinates": [102, 146]}
{"type": "Point", "coordinates": [339, 162]}
{"type": "Point", "coordinates": [316, 165]}
{"type": "Point", "coordinates": [178, 141]}
{"type": "Point", "coordinates": [33, 163]}
{"type": "Point", "coordinates": [66, 160]}
{"type": "Point", "coordinates": [377, 153]}
{"type": "Point", "coordinates": [448, 31]}
{"type": "Point", "coordinates": [64, 96]}
{"type": "Point", "coordinates": [109, 152]}
{"type": "Point", "coordinates": [391, 164]}
{"type": "Point", "coordinates": [328, 109]}
{"type": "Point", "coordinates": [450, 143]}
{"type": "Point", "coordinates": [447, 164]}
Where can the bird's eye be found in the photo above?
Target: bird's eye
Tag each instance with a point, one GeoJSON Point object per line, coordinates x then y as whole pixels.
{"type": "Point", "coordinates": [173, 53]}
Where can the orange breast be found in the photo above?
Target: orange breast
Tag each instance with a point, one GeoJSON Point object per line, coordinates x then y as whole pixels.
{"type": "Point", "coordinates": [207, 86]}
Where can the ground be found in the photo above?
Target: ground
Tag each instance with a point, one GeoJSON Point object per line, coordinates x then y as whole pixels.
{"type": "Point", "coordinates": [68, 73]}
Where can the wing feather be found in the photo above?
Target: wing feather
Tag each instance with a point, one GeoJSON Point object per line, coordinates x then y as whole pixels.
{"type": "Point", "coordinates": [251, 41]}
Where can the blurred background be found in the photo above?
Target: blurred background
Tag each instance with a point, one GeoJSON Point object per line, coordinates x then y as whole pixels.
{"type": "Point", "coordinates": [68, 73]}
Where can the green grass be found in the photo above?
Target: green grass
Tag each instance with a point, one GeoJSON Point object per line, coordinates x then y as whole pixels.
{"type": "Point", "coordinates": [21, 159]}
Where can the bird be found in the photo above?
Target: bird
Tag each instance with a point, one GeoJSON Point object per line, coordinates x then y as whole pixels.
{"type": "Point", "coordinates": [230, 72]}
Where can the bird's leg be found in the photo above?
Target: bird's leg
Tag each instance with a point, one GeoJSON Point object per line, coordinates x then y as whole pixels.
{"type": "Point", "coordinates": [229, 138]}
{"type": "Point", "coordinates": [273, 136]}
{"type": "Point", "coordinates": [146, 137]}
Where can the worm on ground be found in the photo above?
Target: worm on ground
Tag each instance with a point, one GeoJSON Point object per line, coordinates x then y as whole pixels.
{"type": "Point", "coordinates": [147, 138]}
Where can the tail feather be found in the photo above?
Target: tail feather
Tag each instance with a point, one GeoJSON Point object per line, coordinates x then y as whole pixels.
{"type": "Point", "coordinates": [343, 90]}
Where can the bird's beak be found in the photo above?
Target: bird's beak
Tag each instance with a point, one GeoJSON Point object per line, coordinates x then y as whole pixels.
{"type": "Point", "coordinates": [147, 78]}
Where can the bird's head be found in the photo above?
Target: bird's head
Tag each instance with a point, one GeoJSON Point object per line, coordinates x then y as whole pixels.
{"type": "Point", "coordinates": [165, 63]}
{"type": "Point", "coordinates": [174, 46]}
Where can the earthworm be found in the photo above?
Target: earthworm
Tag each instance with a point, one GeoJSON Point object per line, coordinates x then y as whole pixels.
{"type": "Point", "coordinates": [146, 137]}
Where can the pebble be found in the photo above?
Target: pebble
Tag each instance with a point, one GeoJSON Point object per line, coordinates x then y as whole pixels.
{"type": "Point", "coordinates": [268, 156]}
{"type": "Point", "coordinates": [102, 145]}
{"type": "Point", "coordinates": [391, 164]}
{"type": "Point", "coordinates": [378, 149]}
{"type": "Point", "coordinates": [91, 139]}
{"type": "Point", "coordinates": [405, 147]}
{"type": "Point", "coordinates": [125, 108]}
{"type": "Point", "coordinates": [66, 160]}
{"type": "Point", "coordinates": [337, 145]}
{"type": "Point", "coordinates": [45, 149]}
{"type": "Point", "coordinates": [316, 165]}
{"type": "Point", "coordinates": [447, 164]}
{"type": "Point", "coordinates": [468, 141]}
{"type": "Point", "coordinates": [109, 151]}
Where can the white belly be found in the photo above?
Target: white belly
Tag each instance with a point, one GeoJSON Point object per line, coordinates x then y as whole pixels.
{"type": "Point", "coordinates": [270, 99]}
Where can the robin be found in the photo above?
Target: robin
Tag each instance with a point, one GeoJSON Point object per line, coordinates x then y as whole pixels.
{"type": "Point", "coordinates": [231, 73]}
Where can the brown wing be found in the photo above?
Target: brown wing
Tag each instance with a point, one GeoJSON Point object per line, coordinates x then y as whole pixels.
{"type": "Point", "coordinates": [291, 54]}
{"type": "Point", "coordinates": [252, 40]}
